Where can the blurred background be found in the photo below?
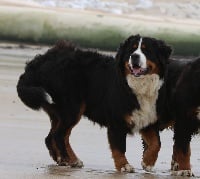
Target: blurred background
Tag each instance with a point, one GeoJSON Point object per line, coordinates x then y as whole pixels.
{"type": "Point", "coordinates": [102, 23]}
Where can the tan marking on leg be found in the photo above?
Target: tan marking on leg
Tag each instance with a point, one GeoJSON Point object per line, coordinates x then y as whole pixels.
{"type": "Point", "coordinates": [152, 148]}
{"type": "Point", "coordinates": [180, 160]}
{"type": "Point", "coordinates": [73, 159]}
{"type": "Point", "coordinates": [119, 159]}
{"type": "Point", "coordinates": [72, 156]}
{"type": "Point", "coordinates": [54, 126]}
{"type": "Point", "coordinates": [57, 124]}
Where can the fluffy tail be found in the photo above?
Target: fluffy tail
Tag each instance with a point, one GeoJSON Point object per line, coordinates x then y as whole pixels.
{"type": "Point", "coordinates": [33, 97]}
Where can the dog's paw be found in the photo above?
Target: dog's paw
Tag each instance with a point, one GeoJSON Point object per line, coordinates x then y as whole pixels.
{"type": "Point", "coordinates": [77, 164]}
{"type": "Point", "coordinates": [128, 168]}
{"type": "Point", "coordinates": [185, 173]}
{"type": "Point", "coordinates": [62, 162]}
{"type": "Point", "coordinates": [147, 168]}
{"type": "Point", "coordinates": [174, 166]}
{"type": "Point", "coordinates": [74, 164]}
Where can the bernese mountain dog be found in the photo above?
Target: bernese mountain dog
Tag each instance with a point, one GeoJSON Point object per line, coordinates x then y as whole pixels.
{"type": "Point", "coordinates": [183, 107]}
{"type": "Point", "coordinates": [168, 95]}
{"type": "Point", "coordinates": [121, 94]}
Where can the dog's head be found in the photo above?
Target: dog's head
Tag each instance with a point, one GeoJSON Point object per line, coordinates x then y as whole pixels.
{"type": "Point", "coordinates": [143, 55]}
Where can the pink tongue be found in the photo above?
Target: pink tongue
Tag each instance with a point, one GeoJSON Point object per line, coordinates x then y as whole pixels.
{"type": "Point", "coordinates": [136, 70]}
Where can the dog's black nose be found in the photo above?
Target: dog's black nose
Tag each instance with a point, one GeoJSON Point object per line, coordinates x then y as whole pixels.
{"type": "Point", "coordinates": [135, 59]}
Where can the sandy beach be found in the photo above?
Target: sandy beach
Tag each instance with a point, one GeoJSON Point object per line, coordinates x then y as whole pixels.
{"type": "Point", "coordinates": [23, 153]}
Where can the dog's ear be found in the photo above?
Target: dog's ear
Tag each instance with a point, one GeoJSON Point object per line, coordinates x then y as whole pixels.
{"type": "Point", "coordinates": [122, 47]}
{"type": "Point", "coordinates": [122, 51]}
{"type": "Point", "coordinates": [119, 57]}
{"type": "Point", "coordinates": [164, 52]}
{"type": "Point", "coordinates": [164, 49]}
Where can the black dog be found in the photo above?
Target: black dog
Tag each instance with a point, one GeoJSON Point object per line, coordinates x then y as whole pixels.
{"type": "Point", "coordinates": [124, 94]}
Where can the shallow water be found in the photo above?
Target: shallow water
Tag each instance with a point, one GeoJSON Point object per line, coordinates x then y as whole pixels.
{"type": "Point", "coordinates": [22, 131]}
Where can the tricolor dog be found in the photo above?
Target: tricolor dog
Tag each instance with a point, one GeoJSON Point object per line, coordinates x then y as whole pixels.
{"type": "Point", "coordinates": [125, 94]}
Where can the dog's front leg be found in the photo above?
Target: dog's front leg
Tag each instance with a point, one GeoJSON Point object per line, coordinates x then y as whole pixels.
{"type": "Point", "coordinates": [151, 141]}
{"type": "Point", "coordinates": [117, 141]}
{"type": "Point", "coordinates": [180, 164]}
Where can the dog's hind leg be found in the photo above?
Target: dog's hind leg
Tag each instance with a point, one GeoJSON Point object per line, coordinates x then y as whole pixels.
{"type": "Point", "coordinates": [117, 141]}
{"type": "Point", "coordinates": [51, 143]}
{"type": "Point", "coordinates": [151, 142]}
{"type": "Point", "coordinates": [74, 161]}
{"type": "Point", "coordinates": [59, 145]}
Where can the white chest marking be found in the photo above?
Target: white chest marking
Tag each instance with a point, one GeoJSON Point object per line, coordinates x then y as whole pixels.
{"type": "Point", "coordinates": [198, 113]}
{"type": "Point", "coordinates": [146, 89]}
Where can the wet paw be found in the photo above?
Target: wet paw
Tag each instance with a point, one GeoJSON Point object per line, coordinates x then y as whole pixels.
{"type": "Point", "coordinates": [174, 166]}
{"type": "Point", "coordinates": [61, 162]}
{"type": "Point", "coordinates": [128, 168]}
{"type": "Point", "coordinates": [185, 173]}
{"type": "Point", "coordinates": [77, 164]}
{"type": "Point", "coordinates": [147, 168]}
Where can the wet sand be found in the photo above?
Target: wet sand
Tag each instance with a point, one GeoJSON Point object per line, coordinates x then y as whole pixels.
{"type": "Point", "coordinates": [23, 153]}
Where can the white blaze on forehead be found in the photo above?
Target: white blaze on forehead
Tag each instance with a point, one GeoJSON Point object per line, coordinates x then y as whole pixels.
{"type": "Point", "coordinates": [140, 44]}
{"type": "Point", "coordinates": [142, 57]}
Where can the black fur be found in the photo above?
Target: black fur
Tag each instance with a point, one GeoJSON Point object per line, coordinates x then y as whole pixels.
{"type": "Point", "coordinates": [74, 77]}
{"type": "Point", "coordinates": [184, 87]}
{"type": "Point", "coordinates": [179, 98]}
{"type": "Point", "coordinates": [178, 105]}
{"type": "Point", "coordinates": [86, 82]}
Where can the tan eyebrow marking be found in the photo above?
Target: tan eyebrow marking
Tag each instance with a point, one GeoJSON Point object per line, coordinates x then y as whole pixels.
{"type": "Point", "coordinates": [135, 46]}
{"type": "Point", "coordinates": [143, 46]}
